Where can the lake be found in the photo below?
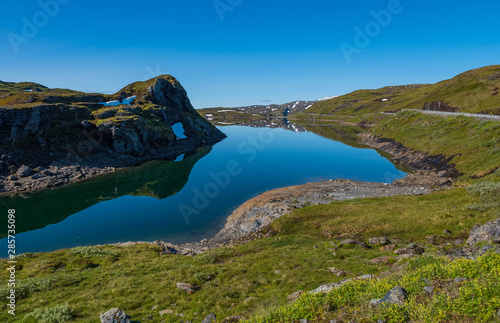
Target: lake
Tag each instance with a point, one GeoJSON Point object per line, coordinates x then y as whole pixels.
{"type": "Point", "coordinates": [186, 199]}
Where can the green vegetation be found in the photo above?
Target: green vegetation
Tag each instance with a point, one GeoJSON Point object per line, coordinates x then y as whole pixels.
{"type": "Point", "coordinates": [473, 145]}
{"type": "Point", "coordinates": [475, 299]}
{"type": "Point", "coordinates": [56, 314]}
{"type": "Point", "coordinates": [252, 279]}
{"type": "Point", "coordinates": [475, 91]}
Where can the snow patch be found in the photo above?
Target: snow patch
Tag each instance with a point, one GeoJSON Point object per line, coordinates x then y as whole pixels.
{"type": "Point", "coordinates": [178, 130]}
{"type": "Point", "coordinates": [383, 100]}
{"type": "Point", "coordinates": [328, 98]}
{"type": "Point", "coordinates": [115, 103]}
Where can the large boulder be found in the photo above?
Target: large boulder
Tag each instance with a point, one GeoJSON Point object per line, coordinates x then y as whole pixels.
{"type": "Point", "coordinates": [397, 295]}
{"type": "Point", "coordinates": [115, 315]}
{"type": "Point", "coordinates": [484, 233]}
{"type": "Point", "coordinates": [23, 171]}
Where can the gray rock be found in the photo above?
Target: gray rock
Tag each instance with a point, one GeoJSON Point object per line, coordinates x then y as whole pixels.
{"type": "Point", "coordinates": [458, 242]}
{"type": "Point", "coordinates": [47, 172]}
{"type": "Point", "coordinates": [188, 288]}
{"type": "Point", "coordinates": [23, 171]}
{"type": "Point", "coordinates": [304, 321]}
{"type": "Point", "coordinates": [211, 318]}
{"type": "Point", "coordinates": [488, 231]}
{"type": "Point", "coordinates": [458, 280]}
{"type": "Point", "coordinates": [379, 240]}
{"type": "Point", "coordinates": [12, 178]}
{"type": "Point", "coordinates": [37, 176]}
{"type": "Point", "coordinates": [412, 249]}
{"type": "Point", "coordinates": [360, 243]}
{"type": "Point", "coordinates": [115, 315]}
{"type": "Point", "coordinates": [447, 232]}
{"type": "Point", "coordinates": [429, 289]}
{"type": "Point", "coordinates": [397, 295]}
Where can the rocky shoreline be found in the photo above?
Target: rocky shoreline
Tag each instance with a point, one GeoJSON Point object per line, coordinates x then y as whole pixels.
{"type": "Point", "coordinates": [53, 175]}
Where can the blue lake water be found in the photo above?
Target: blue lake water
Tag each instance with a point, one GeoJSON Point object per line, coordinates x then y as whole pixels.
{"type": "Point", "coordinates": [188, 198]}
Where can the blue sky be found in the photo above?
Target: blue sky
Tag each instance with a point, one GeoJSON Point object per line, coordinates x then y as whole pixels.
{"type": "Point", "coordinates": [261, 51]}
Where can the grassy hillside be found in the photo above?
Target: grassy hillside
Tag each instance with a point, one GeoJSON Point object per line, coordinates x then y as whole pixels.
{"type": "Point", "coordinates": [473, 145]}
{"type": "Point", "coordinates": [475, 91]}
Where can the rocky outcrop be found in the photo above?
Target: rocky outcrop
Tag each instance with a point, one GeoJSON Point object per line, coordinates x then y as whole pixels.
{"type": "Point", "coordinates": [489, 231]}
{"type": "Point", "coordinates": [432, 166]}
{"type": "Point", "coordinates": [90, 132]}
{"type": "Point", "coordinates": [439, 106]}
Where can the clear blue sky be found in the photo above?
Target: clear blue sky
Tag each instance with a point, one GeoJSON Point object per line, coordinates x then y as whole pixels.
{"type": "Point", "coordinates": [262, 51]}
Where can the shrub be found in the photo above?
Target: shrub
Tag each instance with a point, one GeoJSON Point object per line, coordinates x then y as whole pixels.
{"type": "Point", "coordinates": [56, 314]}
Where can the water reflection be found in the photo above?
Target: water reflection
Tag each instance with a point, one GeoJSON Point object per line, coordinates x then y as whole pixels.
{"type": "Point", "coordinates": [159, 179]}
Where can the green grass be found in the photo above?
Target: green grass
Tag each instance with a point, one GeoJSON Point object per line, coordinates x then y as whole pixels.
{"type": "Point", "coordinates": [473, 145]}
{"type": "Point", "coordinates": [477, 299]}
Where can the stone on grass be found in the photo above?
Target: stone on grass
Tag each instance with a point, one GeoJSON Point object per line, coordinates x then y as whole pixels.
{"type": "Point", "coordinates": [115, 315]}
{"type": "Point", "coordinates": [397, 295]}
{"type": "Point", "coordinates": [165, 312]}
{"type": "Point", "coordinates": [211, 318]}
{"type": "Point", "coordinates": [484, 233]}
{"type": "Point", "coordinates": [188, 288]}
{"type": "Point", "coordinates": [429, 289]}
{"type": "Point", "coordinates": [412, 249]}
{"type": "Point", "coordinates": [379, 240]}
{"type": "Point", "coordinates": [360, 243]}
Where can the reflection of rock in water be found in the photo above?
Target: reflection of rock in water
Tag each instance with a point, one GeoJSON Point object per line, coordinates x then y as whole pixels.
{"type": "Point", "coordinates": [159, 179]}
{"type": "Point", "coordinates": [268, 123]}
